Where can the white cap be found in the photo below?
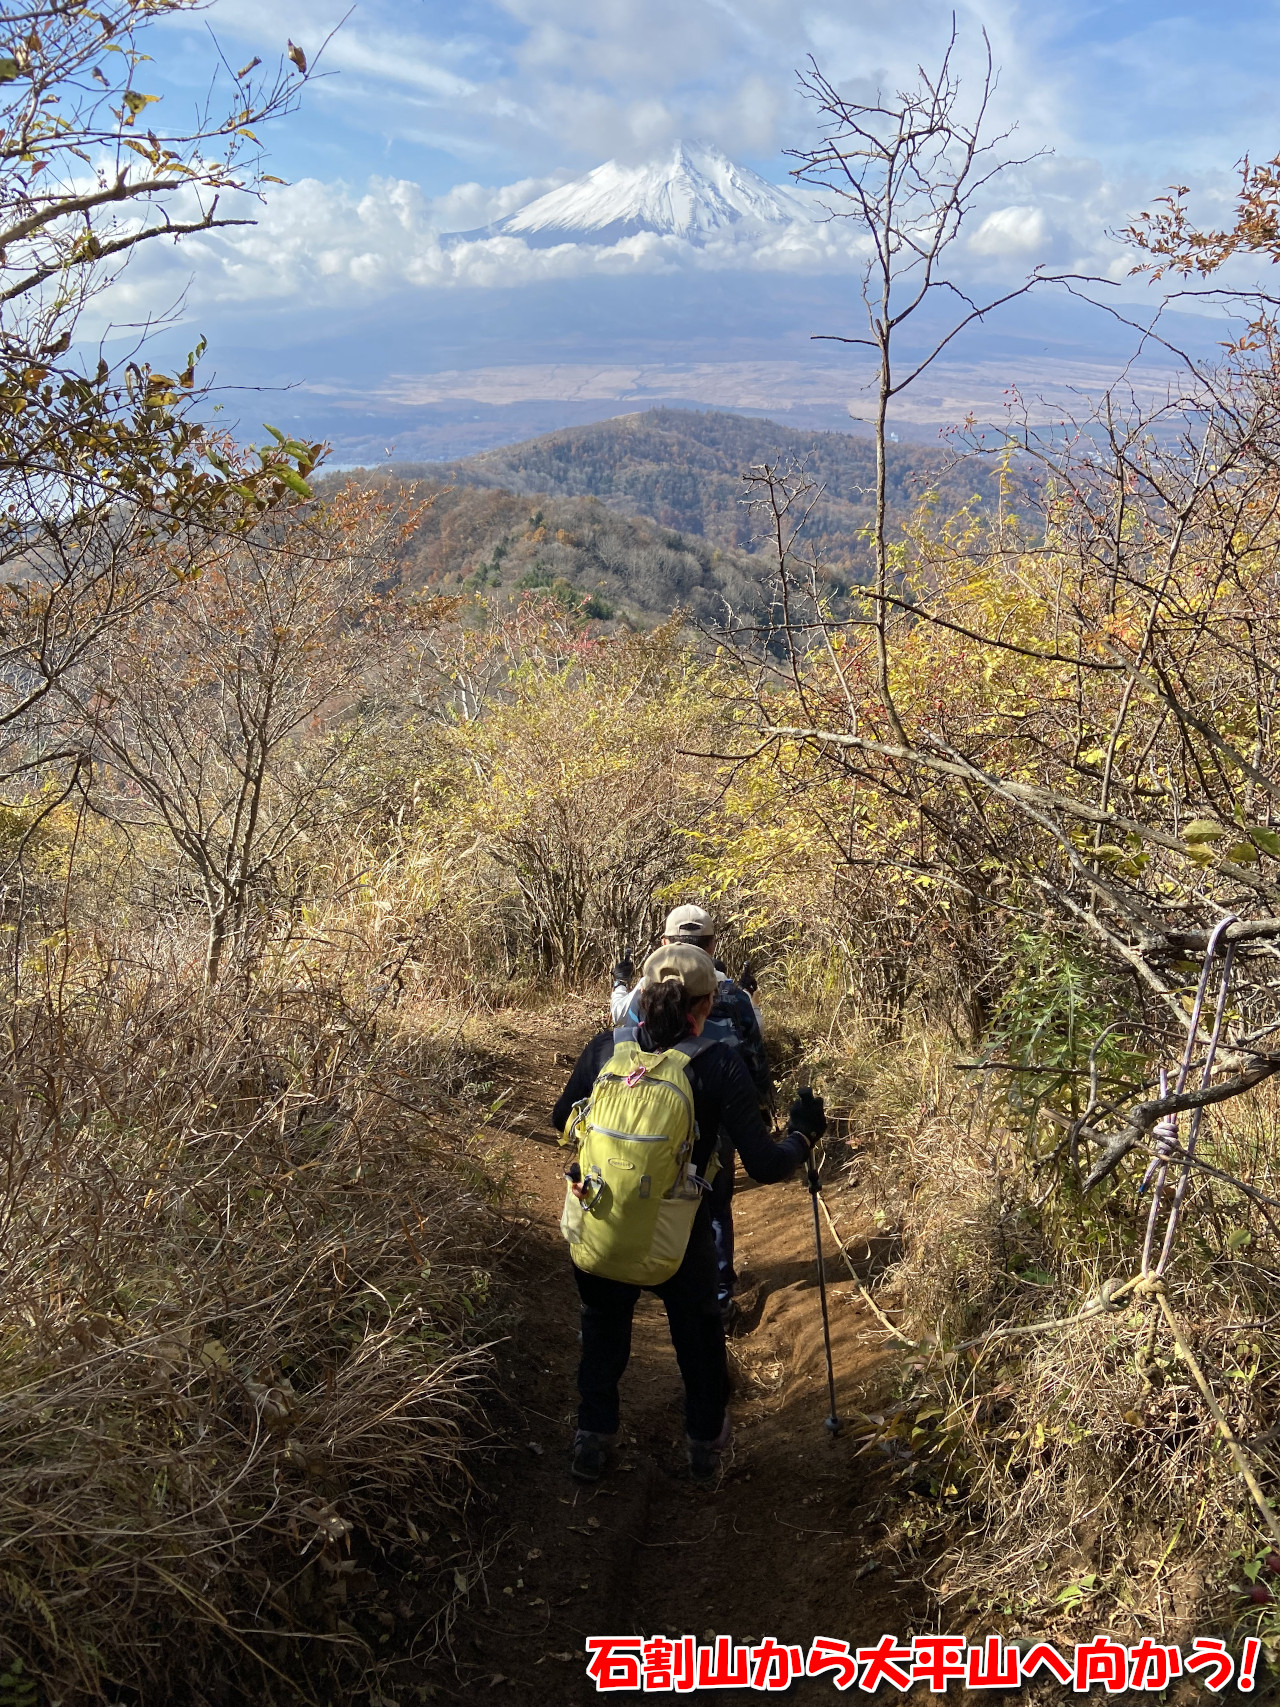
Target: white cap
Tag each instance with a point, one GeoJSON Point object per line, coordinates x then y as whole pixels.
{"type": "Point", "coordinates": [689, 924]}
{"type": "Point", "coordinates": [686, 964]}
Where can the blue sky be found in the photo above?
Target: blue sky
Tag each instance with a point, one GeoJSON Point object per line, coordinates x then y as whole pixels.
{"type": "Point", "coordinates": [430, 117]}
{"type": "Point", "coordinates": [441, 93]}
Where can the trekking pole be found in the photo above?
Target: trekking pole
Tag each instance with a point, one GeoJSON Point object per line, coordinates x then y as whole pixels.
{"type": "Point", "coordinates": [832, 1424]}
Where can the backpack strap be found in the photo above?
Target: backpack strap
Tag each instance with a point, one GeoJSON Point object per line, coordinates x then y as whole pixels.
{"type": "Point", "coordinates": [692, 1047]}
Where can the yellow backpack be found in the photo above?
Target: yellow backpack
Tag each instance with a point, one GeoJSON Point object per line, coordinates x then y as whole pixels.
{"type": "Point", "coordinates": [635, 1135]}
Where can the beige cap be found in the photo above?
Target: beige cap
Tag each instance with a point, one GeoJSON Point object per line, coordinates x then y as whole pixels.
{"type": "Point", "coordinates": [690, 924]}
{"type": "Point", "coordinates": [684, 964]}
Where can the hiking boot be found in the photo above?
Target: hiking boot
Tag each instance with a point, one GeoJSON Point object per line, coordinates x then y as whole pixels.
{"type": "Point", "coordinates": [704, 1455]}
{"type": "Point", "coordinates": [590, 1455]}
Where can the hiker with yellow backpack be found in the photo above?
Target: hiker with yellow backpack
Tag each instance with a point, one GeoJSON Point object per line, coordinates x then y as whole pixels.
{"type": "Point", "coordinates": [650, 1108]}
{"type": "Point", "coordinates": [735, 1019]}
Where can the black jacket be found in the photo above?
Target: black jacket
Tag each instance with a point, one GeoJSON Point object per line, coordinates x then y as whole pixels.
{"type": "Point", "coordinates": [725, 1101]}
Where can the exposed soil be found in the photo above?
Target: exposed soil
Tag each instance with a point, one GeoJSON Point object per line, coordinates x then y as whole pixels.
{"type": "Point", "coordinates": [785, 1545]}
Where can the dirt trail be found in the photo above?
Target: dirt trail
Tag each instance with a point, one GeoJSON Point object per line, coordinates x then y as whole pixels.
{"type": "Point", "coordinates": [786, 1543]}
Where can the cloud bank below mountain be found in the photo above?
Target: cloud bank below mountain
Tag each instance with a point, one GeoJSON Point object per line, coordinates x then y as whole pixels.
{"type": "Point", "coordinates": [690, 209]}
{"type": "Point", "coordinates": [685, 279]}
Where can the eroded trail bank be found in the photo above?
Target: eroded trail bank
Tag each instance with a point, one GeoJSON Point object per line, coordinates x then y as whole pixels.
{"type": "Point", "coordinates": [791, 1543]}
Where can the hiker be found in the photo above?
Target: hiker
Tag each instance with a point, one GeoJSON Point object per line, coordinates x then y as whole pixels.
{"type": "Point", "coordinates": [626, 1237]}
{"type": "Point", "coordinates": [735, 1020]}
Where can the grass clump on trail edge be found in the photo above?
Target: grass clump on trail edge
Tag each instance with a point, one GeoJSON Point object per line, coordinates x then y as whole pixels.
{"type": "Point", "coordinates": [238, 1374]}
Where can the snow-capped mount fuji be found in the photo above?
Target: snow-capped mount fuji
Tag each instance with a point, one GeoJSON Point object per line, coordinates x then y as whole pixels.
{"type": "Point", "coordinates": [694, 192]}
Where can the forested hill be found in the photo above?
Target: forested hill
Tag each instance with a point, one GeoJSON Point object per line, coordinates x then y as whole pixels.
{"type": "Point", "coordinates": [683, 469]}
{"type": "Point", "coordinates": [579, 551]}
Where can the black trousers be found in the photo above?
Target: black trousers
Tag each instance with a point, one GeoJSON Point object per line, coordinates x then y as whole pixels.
{"type": "Point", "coordinates": [720, 1206]}
{"type": "Point", "coordinates": [697, 1333]}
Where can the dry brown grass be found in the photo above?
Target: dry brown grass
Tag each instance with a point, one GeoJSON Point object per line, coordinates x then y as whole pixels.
{"type": "Point", "coordinates": [1071, 1479]}
{"type": "Point", "coordinates": [242, 1264]}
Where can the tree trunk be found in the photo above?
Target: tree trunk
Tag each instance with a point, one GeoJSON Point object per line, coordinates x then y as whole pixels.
{"type": "Point", "coordinates": [882, 555]}
{"type": "Point", "coordinates": [219, 931]}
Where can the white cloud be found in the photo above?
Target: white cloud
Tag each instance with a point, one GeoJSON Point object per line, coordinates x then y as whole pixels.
{"type": "Point", "coordinates": [327, 244]}
{"type": "Point", "coordinates": [467, 207]}
{"type": "Point", "coordinates": [396, 62]}
{"type": "Point", "coordinates": [1018, 230]}
{"type": "Point", "coordinates": [332, 245]}
{"type": "Point", "coordinates": [531, 84]}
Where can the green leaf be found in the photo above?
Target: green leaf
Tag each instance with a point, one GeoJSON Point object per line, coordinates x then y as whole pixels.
{"type": "Point", "coordinates": [1242, 853]}
{"type": "Point", "coordinates": [9, 69]}
{"type": "Point", "coordinates": [1265, 839]}
{"type": "Point", "coordinates": [1239, 1239]}
{"type": "Point", "coordinates": [1203, 830]}
{"type": "Point", "coordinates": [275, 432]}
{"type": "Point", "coordinates": [293, 481]}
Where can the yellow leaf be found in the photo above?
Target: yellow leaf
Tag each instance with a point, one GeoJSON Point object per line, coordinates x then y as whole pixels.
{"type": "Point", "coordinates": [136, 103]}
{"type": "Point", "coordinates": [215, 1357]}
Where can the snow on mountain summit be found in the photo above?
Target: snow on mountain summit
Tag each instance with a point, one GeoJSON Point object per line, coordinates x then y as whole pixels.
{"type": "Point", "coordinates": [694, 192]}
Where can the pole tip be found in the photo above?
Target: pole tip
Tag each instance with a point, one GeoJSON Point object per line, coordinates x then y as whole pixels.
{"type": "Point", "coordinates": [832, 1425]}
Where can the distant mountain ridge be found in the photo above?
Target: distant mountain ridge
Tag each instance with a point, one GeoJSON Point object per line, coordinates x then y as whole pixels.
{"type": "Point", "coordinates": [631, 519]}
{"type": "Point", "coordinates": [694, 192]}
{"type": "Point", "coordinates": [683, 470]}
